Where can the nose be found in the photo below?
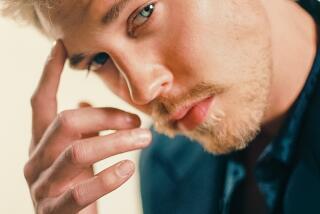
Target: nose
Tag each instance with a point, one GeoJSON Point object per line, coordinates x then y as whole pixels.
{"type": "Point", "coordinates": [145, 81]}
{"type": "Point", "coordinates": [148, 84]}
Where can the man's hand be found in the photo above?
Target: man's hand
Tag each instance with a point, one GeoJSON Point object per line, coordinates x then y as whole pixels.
{"type": "Point", "coordinates": [59, 172]}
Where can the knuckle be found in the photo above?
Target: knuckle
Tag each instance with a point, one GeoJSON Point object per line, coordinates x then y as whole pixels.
{"type": "Point", "coordinates": [107, 182]}
{"type": "Point", "coordinates": [28, 171]}
{"type": "Point", "coordinates": [119, 147]}
{"type": "Point", "coordinates": [44, 208]}
{"type": "Point", "coordinates": [78, 196]}
{"type": "Point", "coordinates": [35, 99]}
{"type": "Point", "coordinates": [65, 121]}
{"type": "Point", "coordinates": [40, 189]}
{"type": "Point", "coordinates": [120, 143]}
{"type": "Point", "coordinates": [75, 154]}
{"type": "Point", "coordinates": [36, 192]}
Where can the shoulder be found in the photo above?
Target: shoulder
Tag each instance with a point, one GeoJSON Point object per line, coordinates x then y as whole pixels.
{"type": "Point", "coordinates": [178, 176]}
{"type": "Point", "coordinates": [176, 155]}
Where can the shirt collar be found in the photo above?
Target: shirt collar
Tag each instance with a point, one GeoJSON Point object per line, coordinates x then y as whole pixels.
{"type": "Point", "coordinates": [283, 146]}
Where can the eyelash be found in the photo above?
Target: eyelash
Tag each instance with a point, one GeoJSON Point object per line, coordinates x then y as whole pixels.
{"type": "Point", "coordinates": [132, 28]}
{"type": "Point", "coordinates": [131, 32]}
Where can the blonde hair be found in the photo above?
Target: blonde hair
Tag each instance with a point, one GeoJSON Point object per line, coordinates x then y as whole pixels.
{"type": "Point", "coordinates": [22, 11]}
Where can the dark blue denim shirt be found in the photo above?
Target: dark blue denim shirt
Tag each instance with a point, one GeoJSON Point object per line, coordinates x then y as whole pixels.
{"type": "Point", "coordinates": [274, 164]}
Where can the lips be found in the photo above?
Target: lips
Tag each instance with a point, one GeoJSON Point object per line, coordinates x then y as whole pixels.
{"type": "Point", "coordinates": [192, 115]}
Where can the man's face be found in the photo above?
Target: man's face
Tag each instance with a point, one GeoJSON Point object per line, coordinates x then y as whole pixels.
{"type": "Point", "coordinates": [198, 67]}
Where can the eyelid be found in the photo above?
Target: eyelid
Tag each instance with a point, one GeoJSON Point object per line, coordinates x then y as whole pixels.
{"type": "Point", "coordinates": [130, 31]}
{"type": "Point", "coordinates": [131, 28]}
{"type": "Point", "coordinates": [90, 62]}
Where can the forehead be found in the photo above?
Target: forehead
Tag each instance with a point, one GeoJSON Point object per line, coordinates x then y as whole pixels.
{"type": "Point", "coordinates": [72, 16]}
{"type": "Point", "coordinates": [77, 22]}
{"type": "Point", "coordinates": [58, 15]}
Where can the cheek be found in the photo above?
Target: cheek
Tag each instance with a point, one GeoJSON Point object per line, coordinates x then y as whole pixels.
{"type": "Point", "coordinates": [211, 41]}
{"type": "Point", "coordinates": [112, 78]}
{"type": "Point", "coordinates": [195, 41]}
{"type": "Point", "coordinates": [183, 42]}
{"type": "Point", "coordinates": [114, 81]}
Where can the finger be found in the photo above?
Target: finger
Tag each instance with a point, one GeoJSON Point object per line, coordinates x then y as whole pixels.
{"type": "Point", "coordinates": [84, 104]}
{"type": "Point", "coordinates": [86, 193]}
{"type": "Point", "coordinates": [72, 125]}
{"type": "Point", "coordinates": [88, 173]}
{"type": "Point", "coordinates": [85, 153]}
{"type": "Point", "coordinates": [44, 102]}
{"type": "Point", "coordinates": [83, 121]}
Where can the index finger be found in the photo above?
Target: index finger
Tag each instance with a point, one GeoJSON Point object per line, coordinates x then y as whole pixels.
{"type": "Point", "coordinates": [44, 101]}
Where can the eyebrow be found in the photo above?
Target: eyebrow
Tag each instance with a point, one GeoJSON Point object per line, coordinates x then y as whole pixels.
{"type": "Point", "coordinates": [112, 14]}
{"type": "Point", "coordinates": [115, 11]}
{"type": "Point", "coordinates": [76, 59]}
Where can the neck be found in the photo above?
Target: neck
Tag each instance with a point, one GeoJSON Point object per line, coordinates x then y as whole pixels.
{"type": "Point", "coordinates": [294, 44]}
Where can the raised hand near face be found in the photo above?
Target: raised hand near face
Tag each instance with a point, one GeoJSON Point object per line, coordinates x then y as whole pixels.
{"type": "Point", "coordinates": [59, 171]}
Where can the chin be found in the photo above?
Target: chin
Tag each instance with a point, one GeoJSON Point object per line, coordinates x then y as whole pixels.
{"type": "Point", "coordinates": [221, 134]}
{"type": "Point", "coordinates": [235, 118]}
{"type": "Point", "coordinates": [232, 122]}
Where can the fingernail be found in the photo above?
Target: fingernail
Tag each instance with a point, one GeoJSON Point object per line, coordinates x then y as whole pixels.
{"type": "Point", "coordinates": [144, 138]}
{"type": "Point", "coordinates": [125, 168]}
{"type": "Point", "coordinates": [133, 119]}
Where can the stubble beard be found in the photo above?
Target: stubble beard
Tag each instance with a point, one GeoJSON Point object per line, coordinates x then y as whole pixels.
{"type": "Point", "coordinates": [232, 125]}
{"type": "Point", "coordinates": [236, 114]}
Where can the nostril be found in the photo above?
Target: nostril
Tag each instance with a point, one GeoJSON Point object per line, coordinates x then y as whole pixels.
{"type": "Point", "coordinates": [147, 87]}
{"type": "Point", "coordinates": [165, 86]}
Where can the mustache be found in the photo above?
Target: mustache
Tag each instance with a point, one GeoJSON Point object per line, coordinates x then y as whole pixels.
{"type": "Point", "coordinates": [163, 107]}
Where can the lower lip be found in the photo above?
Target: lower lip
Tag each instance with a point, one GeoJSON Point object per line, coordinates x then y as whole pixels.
{"type": "Point", "coordinates": [196, 115]}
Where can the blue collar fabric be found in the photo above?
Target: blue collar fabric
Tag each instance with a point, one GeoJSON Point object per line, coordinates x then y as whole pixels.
{"type": "Point", "coordinates": [283, 146]}
{"type": "Point", "coordinates": [275, 163]}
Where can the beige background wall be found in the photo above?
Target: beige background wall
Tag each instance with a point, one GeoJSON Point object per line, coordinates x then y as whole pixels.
{"type": "Point", "coordinates": [22, 54]}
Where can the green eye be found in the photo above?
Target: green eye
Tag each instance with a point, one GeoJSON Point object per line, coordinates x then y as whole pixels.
{"type": "Point", "coordinates": [144, 15]}
{"type": "Point", "coordinates": [147, 11]}
{"type": "Point", "coordinates": [98, 60]}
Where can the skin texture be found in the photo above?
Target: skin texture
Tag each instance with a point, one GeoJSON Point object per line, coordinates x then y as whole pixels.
{"type": "Point", "coordinates": [66, 145]}
{"type": "Point", "coordinates": [186, 51]}
{"type": "Point", "coordinates": [164, 62]}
